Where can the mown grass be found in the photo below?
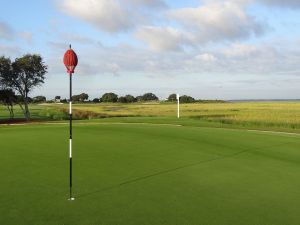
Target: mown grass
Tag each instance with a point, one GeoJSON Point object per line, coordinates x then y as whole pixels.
{"type": "Point", "coordinates": [133, 174]}
{"type": "Point", "coordinates": [267, 115]}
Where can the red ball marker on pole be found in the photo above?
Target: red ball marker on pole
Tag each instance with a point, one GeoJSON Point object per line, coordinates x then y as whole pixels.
{"type": "Point", "coordinates": [70, 61]}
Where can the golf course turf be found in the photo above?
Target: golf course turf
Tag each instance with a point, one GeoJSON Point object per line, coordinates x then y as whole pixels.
{"type": "Point", "coordinates": [152, 174]}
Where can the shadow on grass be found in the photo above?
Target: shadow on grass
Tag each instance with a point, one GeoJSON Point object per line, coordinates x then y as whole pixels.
{"type": "Point", "coordinates": [220, 157]}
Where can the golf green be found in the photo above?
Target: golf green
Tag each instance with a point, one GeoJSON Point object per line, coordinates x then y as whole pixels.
{"type": "Point", "coordinates": [148, 174]}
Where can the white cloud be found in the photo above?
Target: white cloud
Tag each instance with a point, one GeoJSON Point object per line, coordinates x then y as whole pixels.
{"type": "Point", "coordinates": [206, 57]}
{"type": "Point", "coordinates": [215, 21]}
{"type": "Point", "coordinates": [112, 15]}
{"type": "Point", "coordinates": [107, 15]}
{"type": "Point", "coordinates": [240, 60]}
{"type": "Point", "coordinates": [236, 59]}
{"type": "Point", "coordinates": [162, 38]}
{"type": "Point", "coordinates": [241, 51]}
{"type": "Point", "coordinates": [202, 32]}
{"type": "Point", "coordinates": [6, 32]}
{"type": "Point", "coordinates": [204, 42]}
{"type": "Point", "coordinates": [218, 21]}
{"type": "Point", "coordinates": [200, 71]}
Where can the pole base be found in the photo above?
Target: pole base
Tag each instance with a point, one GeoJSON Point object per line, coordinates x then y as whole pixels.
{"type": "Point", "coordinates": [71, 199]}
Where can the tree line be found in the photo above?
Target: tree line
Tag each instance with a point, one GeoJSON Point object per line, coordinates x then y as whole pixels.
{"type": "Point", "coordinates": [111, 97]}
{"type": "Point", "coordinates": [9, 98]}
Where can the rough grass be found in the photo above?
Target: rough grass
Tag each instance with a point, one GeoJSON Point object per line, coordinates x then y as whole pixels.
{"type": "Point", "coordinates": [133, 174]}
{"type": "Point", "coordinates": [268, 115]}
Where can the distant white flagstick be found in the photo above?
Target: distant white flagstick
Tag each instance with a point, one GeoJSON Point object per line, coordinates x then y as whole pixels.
{"type": "Point", "coordinates": [178, 111]}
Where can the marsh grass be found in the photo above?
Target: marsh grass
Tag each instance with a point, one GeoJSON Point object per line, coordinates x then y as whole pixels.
{"type": "Point", "coordinates": [244, 114]}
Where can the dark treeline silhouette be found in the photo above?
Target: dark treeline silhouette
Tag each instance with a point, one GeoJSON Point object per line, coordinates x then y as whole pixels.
{"type": "Point", "coordinates": [8, 96]}
{"type": "Point", "coordinates": [111, 97]}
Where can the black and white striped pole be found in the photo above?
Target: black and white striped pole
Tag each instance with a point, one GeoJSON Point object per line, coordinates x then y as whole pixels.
{"type": "Point", "coordinates": [70, 140]}
{"type": "Point", "coordinates": [70, 61]}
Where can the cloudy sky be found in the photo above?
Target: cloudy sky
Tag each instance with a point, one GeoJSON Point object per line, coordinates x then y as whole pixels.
{"type": "Point", "coordinates": [210, 49]}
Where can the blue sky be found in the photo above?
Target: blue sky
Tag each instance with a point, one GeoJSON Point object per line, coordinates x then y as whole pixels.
{"type": "Point", "coordinates": [210, 49]}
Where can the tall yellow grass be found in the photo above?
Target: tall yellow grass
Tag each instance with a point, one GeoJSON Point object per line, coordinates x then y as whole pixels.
{"type": "Point", "coordinates": [282, 114]}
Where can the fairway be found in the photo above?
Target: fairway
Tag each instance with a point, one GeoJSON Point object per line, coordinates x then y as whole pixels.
{"type": "Point", "coordinates": [152, 174]}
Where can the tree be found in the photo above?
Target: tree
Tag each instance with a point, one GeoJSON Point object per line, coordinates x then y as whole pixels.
{"type": "Point", "coordinates": [8, 98]}
{"type": "Point", "coordinates": [80, 98]}
{"type": "Point", "coordinates": [96, 100]}
{"type": "Point", "coordinates": [122, 99]}
{"type": "Point", "coordinates": [139, 98]}
{"type": "Point", "coordinates": [186, 99]}
{"type": "Point", "coordinates": [127, 99]}
{"type": "Point", "coordinates": [149, 97]}
{"type": "Point", "coordinates": [109, 97]}
{"type": "Point", "coordinates": [23, 75]}
{"type": "Point", "coordinates": [83, 97]}
{"type": "Point", "coordinates": [39, 99]}
{"type": "Point", "coordinates": [75, 98]}
{"type": "Point", "coordinates": [57, 98]}
{"type": "Point", "coordinates": [64, 100]}
{"type": "Point", "coordinates": [130, 98]}
{"type": "Point", "coordinates": [172, 97]}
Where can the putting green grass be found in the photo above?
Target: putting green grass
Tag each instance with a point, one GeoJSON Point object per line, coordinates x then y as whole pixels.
{"type": "Point", "coordinates": [147, 174]}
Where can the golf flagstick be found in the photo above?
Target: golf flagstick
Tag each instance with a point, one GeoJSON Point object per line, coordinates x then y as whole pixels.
{"type": "Point", "coordinates": [178, 112]}
{"type": "Point", "coordinates": [70, 144]}
{"type": "Point", "coordinates": [70, 61]}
